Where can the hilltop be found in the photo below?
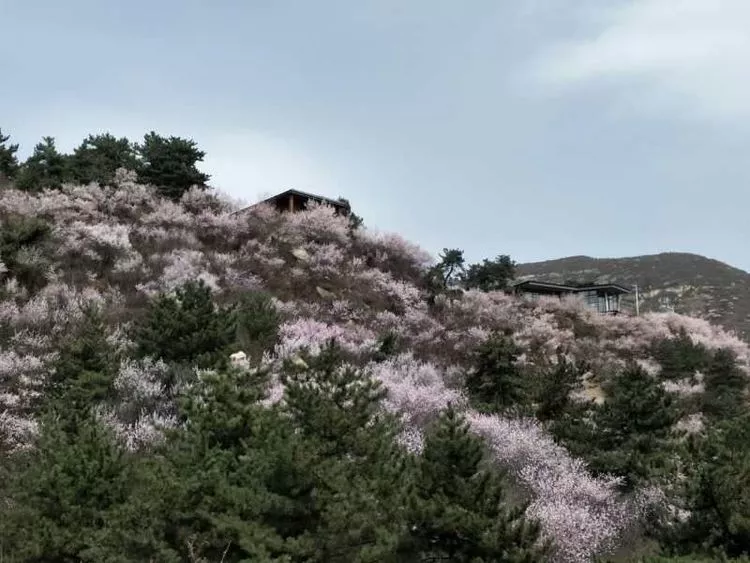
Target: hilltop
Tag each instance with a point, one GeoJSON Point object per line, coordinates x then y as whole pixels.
{"type": "Point", "coordinates": [685, 283]}
{"type": "Point", "coordinates": [127, 304]}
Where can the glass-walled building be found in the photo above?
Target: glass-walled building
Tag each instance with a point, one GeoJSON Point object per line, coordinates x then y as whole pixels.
{"type": "Point", "coordinates": [603, 298]}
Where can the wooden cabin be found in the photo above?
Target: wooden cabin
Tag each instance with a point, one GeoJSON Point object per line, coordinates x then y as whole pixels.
{"type": "Point", "coordinates": [604, 298]}
{"type": "Point", "coordinates": [296, 200]}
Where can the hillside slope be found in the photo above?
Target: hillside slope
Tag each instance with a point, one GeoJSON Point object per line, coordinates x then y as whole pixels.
{"type": "Point", "coordinates": [685, 283]}
{"type": "Point", "coordinates": [120, 248]}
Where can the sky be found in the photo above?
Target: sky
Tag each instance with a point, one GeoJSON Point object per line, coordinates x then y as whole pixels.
{"type": "Point", "coordinates": [535, 128]}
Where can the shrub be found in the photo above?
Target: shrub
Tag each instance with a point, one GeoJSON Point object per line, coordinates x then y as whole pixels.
{"type": "Point", "coordinates": [19, 238]}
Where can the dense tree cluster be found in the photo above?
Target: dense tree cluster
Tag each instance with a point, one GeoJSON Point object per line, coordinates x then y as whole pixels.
{"type": "Point", "coordinates": [168, 163]}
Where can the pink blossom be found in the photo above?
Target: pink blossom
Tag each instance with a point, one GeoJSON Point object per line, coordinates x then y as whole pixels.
{"type": "Point", "coordinates": [583, 515]}
{"type": "Point", "coordinates": [416, 390]}
{"type": "Point", "coordinates": [181, 266]}
{"type": "Point", "coordinates": [392, 246]}
{"type": "Point", "coordinates": [312, 335]}
{"type": "Point", "coordinates": [318, 222]}
{"type": "Point", "coordinates": [325, 258]}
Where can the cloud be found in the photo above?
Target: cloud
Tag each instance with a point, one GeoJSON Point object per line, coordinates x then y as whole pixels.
{"type": "Point", "coordinates": [677, 55]}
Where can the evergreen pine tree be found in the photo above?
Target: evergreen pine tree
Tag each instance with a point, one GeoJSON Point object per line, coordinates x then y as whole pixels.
{"type": "Point", "coordinates": [46, 168]}
{"type": "Point", "coordinates": [225, 487]}
{"type": "Point", "coordinates": [99, 156]}
{"type": "Point", "coordinates": [8, 158]}
{"type": "Point", "coordinates": [169, 164]}
{"type": "Point", "coordinates": [360, 472]}
{"type": "Point", "coordinates": [718, 492]}
{"type": "Point", "coordinates": [186, 328]}
{"type": "Point", "coordinates": [632, 434]}
{"type": "Point", "coordinates": [725, 387]}
{"type": "Point", "coordinates": [61, 493]}
{"type": "Point", "coordinates": [257, 322]}
{"type": "Point", "coordinates": [555, 394]}
{"type": "Point", "coordinates": [19, 233]}
{"type": "Point", "coordinates": [461, 510]}
{"type": "Point", "coordinates": [490, 275]}
{"type": "Point", "coordinates": [82, 375]}
{"type": "Point", "coordinates": [495, 382]}
{"type": "Point", "coordinates": [680, 357]}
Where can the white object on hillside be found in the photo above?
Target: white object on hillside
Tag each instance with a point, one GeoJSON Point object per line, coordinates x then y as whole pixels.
{"type": "Point", "coordinates": [239, 360]}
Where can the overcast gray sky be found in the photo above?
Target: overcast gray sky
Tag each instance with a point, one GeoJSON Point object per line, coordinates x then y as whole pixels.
{"type": "Point", "coordinates": [538, 128]}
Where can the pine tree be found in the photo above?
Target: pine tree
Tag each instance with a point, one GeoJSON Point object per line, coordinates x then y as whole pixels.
{"type": "Point", "coordinates": [490, 275]}
{"type": "Point", "coordinates": [257, 323]}
{"type": "Point", "coordinates": [46, 168]}
{"type": "Point", "coordinates": [186, 328]}
{"type": "Point", "coordinates": [62, 492]}
{"type": "Point", "coordinates": [82, 375]}
{"type": "Point", "coordinates": [633, 435]}
{"type": "Point", "coordinates": [718, 492]}
{"type": "Point", "coordinates": [226, 487]}
{"type": "Point", "coordinates": [680, 357]}
{"type": "Point", "coordinates": [461, 510]}
{"type": "Point", "coordinates": [495, 382]}
{"type": "Point", "coordinates": [360, 473]}
{"type": "Point", "coordinates": [16, 234]}
{"type": "Point", "coordinates": [451, 266]}
{"type": "Point", "coordinates": [554, 397]}
{"type": "Point", "coordinates": [725, 387]}
{"type": "Point", "coordinates": [169, 164]}
{"type": "Point", "coordinates": [8, 159]}
{"type": "Point", "coordinates": [99, 156]}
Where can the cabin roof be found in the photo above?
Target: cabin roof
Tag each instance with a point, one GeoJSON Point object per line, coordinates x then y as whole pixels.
{"type": "Point", "coordinates": [300, 193]}
{"type": "Point", "coordinates": [531, 285]}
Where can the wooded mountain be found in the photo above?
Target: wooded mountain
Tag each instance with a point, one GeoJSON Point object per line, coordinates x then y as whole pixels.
{"type": "Point", "coordinates": [685, 283]}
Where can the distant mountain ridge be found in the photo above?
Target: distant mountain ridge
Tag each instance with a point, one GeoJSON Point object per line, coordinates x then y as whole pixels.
{"type": "Point", "coordinates": [685, 283]}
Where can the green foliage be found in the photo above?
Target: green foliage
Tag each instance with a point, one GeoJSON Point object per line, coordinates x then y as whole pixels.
{"type": "Point", "coordinates": [46, 168]}
{"type": "Point", "coordinates": [8, 160]}
{"type": "Point", "coordinates": [210, 494]}
{"type": "Point", "coordinates": [19, 236]}
{"type": "Point", "coordinates": [451, 265]}
{"type": "Point", "coordinates": [82, 375]}
{"type": "Point", "coordinates": [61, 494]}
{"type": "Point", "coordinates": [680, 357]}
{"type": "Point", "coordinates": [446, 273]}
{"type": "Point", "coordinates": [186, 327]}
{"type": "Point", "coordinates": [461, 509]}
{"type": "Point", "coordinates": [554, 396]}
{"type": "Point", "coordinates": [495, 382]}
{"type": "Point", "coordinates": [99, 156]}
{"type": "Point", "coordinates": [725, 387]}
{"type": "Point", "coordinates": [355, 221]}
{"type": "Point", "coordinates": [169, 164]}
{"type": "Point", "coordinates": [719, 493]}
{"type": "Point", "coordinates": [630, 434]}
{"type": "Point", "coordinates": [389, 344]}
{"type": "Point", "coordinates": [257, 323]}
{"type": "Point", "coordinates": [490, 275]}
{"type": "Point", "coordinates": [360, 474]}
{"type": "Point", "coordinates": [317, 480]}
